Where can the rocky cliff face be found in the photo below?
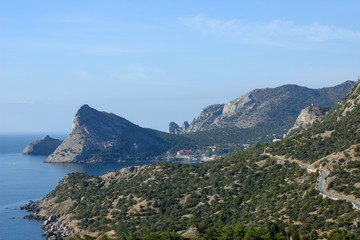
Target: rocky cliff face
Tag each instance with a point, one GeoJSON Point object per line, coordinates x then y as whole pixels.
{"type": "Point", "coordinates": [45, 146]}
{"type": "Point", "coordinates": [307, 117]}
{"type": "Point", "coordinates": [102, 137]}
{"type": "Point", "coordinates": [206, 118]}
{"type": "Point", "coordinates": [174, 128]}
{"type": "Point", "coordinates": [273, 107]}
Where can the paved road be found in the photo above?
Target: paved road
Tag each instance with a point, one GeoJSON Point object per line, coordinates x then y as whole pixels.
{"type": "Point", "coordinates": [320, 185]}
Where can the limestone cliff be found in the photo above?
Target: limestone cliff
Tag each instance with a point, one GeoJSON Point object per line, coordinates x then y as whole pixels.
{"type": "Point", "coordinates": [307, 117]}
{"type": "Point", "coordinates": [206, 118]}
{"type": "Point", "coordinates": [45, 146]}
{"type": "Point", "coordinates": [105, 137]}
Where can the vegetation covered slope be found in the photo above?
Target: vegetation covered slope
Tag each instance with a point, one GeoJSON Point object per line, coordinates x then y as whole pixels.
{"type": "Point", "coordinates": [233, 139]}
{"type": "Point", "coordinates": [334, 143]}
{"type": "Point", "coordinates": [244, 188]}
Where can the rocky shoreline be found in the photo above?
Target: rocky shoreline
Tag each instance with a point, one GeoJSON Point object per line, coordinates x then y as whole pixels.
{"type": "Point", "coordinates": [55, 225]}
{"type": "Point", "coordinates": [56, 216]}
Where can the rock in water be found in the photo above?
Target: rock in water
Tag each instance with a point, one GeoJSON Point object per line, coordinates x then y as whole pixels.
{"type": "Point", "coordinates": [98, 137]}
{"type": "Point", "coordinates": [45, 146]}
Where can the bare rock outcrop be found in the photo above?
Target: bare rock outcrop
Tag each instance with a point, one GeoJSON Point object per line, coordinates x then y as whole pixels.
{"type": "Point", "coordinates": [307, 117]}
{"type": "Point", "coordinates": [45, 146]}
{"type": "Point", "coordinates": [55, 221]}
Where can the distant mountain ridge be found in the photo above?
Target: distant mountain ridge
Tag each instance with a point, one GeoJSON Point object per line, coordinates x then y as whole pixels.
{"type": "Point", "coordinates": [105, 137]}
{"type": "Point", "coordinates": [273, 107]}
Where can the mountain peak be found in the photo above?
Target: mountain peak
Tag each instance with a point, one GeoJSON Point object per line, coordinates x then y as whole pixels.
{"type": "Point", "coordinates": [87, 116]}
{"type": "Point", "coordinates": [86, 109]}
{"type": "Point", "coordinates": [46, 137]}
{"type": "Point", "coordinates": [84, 106]}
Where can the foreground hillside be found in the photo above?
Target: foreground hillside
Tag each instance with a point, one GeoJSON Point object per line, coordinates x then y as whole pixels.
{"type": "Point", "coordinates": [243, 188]}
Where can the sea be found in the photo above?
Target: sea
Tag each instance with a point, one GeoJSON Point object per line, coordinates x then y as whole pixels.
{"type": "Point", "coordinates": [24, 178]}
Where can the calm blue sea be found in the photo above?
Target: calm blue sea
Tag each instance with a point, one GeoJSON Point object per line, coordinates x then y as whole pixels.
{"type": "Point", "coordinates": [24, 178]}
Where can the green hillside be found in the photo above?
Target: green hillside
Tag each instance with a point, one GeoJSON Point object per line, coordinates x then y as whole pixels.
{"type": "Point", "coordinates": [341, 123]}
{"type": "Point", "coordinates": [243, 188]}
{"type": "Point", "coordinates": [333, 144]}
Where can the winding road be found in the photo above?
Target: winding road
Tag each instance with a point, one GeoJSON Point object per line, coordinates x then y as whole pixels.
{"type": "Point", "coordinates": [320, 185]}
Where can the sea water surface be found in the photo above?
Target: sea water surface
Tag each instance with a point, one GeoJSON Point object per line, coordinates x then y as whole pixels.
{"type": "Point", "coordinates": [24, 178]}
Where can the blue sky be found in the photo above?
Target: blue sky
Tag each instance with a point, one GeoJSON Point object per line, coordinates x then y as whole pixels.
{"type": "Point", "coordinates": [153, 62]}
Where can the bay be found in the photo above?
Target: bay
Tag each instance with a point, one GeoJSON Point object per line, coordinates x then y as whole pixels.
{"type": "Point", "coordinates": [24, 178]}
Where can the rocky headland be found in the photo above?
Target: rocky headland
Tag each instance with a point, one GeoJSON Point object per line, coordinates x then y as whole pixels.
{"type": "Point", "coordinates": [98, 137]}
{"type": "Point", "coordinates": [55, 220]}
{"type": "Point", "coordinates": [45, 146]}
{"type": "Point", "coordinates": [57, 216]}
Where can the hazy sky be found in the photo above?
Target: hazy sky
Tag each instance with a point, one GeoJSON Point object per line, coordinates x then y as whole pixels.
{"type": "Point", "coordinates": [153, 62]}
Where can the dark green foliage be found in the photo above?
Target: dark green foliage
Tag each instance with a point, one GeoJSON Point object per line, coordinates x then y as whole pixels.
{"type": "Point", "coordinates": [271, 231]}
{"type": "Point", "coordinates": [176, 142]}
{"type": "Point", "coordinates": [345, 181]}
{"type": "Point", "coordinates": [233, 138]}
{"type": "Point", "coordinates": [239, 231]}
{"type": "Point", "coordinates": [341, 235]}
{"type": "Point", "coordinates": [78, 237]}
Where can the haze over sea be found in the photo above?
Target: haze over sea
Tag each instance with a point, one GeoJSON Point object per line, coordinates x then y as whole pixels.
{"type": "Point", "coordinates": [24, 178]}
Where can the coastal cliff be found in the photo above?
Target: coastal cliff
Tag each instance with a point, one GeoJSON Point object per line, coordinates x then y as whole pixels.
{"type": "Point", "coordinates": [57, 216]}
{"type": "Point", "coordinates": [98, 137]}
